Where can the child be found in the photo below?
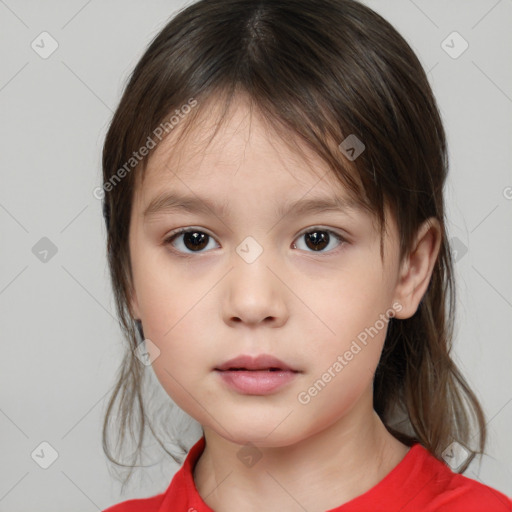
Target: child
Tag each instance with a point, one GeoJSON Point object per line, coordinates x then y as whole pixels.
{"type": "Point", "coordinates": [273, 183]}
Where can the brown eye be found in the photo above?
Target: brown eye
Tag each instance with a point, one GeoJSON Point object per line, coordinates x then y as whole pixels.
{"type": "Point", "coordinates": [192, 240]}
{"type": "Point", "coordinates": [317, 239]}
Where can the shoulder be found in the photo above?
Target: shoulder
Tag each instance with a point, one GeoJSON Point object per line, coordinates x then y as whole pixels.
{"type": "Point", "coordinates": [450, 491]}
{"type": "Point", "coordinates": [179, 495]}
{"type": "Point", "coordinates": [151, 504]}
{"type": "Point", "coordinates": [471, 495]}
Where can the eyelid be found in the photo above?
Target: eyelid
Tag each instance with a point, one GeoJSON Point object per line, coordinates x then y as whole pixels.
{"type": "Point", "coordinates": [179, 231]}
{"type": "Point", "coordinates": [332, 231]}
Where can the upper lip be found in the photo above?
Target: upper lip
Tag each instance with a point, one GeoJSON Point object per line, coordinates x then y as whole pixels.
{"type": "Point", "coordinates": [260, 362]}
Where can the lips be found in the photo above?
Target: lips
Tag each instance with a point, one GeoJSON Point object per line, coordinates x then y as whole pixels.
{"type": "Point", "coordinates": [263, 362]}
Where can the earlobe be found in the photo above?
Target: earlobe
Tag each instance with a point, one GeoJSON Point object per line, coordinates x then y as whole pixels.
{"type": "Point", "coordinates": [417, 268]}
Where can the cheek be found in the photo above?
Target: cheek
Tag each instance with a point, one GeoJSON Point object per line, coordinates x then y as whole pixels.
{"type": "Point", "coordinates": [340, 307]}
{"type": "Point", "coordinates": [171, 310]}
{"type": "Point", "coordinates": [344, 334]}
{"type": "Point", "coordinates": [164, 296]}
{"type": "Point", "coordinates": [184, 352]}
{"type": "Point", "coordinates": [177, 325]}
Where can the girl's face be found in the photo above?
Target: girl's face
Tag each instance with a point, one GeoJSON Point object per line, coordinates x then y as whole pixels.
{"type": "Point", "coordinates": [247, 280]}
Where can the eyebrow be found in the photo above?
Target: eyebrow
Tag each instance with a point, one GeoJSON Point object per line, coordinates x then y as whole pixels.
{"type": "Point", "coordinates": [169, 202]}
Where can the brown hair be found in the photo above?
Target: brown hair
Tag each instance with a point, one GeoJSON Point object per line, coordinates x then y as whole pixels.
{"type": "Point", "coordinates": [321, 70]}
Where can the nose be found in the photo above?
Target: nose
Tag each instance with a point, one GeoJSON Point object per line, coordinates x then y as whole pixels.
{"type": "Point", "coordinates": [254, 294]}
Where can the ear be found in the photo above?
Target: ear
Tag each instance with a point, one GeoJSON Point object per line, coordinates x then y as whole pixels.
{"type": "Point", "coordinates": [417, 266]}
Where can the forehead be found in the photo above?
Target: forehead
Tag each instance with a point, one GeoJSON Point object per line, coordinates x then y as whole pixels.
{"type": "Point", "coordinates": [241, 153]}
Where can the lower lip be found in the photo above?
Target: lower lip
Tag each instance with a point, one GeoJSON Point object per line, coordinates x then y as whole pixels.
{"type": "Point", "coordinates": [256, 382]}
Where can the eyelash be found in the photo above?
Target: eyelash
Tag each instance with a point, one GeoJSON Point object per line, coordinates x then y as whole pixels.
{"type": "Point", "coordinates": [172, 236]}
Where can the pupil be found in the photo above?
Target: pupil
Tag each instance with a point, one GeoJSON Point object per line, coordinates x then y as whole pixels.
{"type": "Point", "coordinates": [197, 240]}
{"type": "Point", "coordinates": [319, 239]}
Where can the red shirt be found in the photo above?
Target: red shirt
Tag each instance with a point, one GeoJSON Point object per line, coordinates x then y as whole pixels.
{"type": "Point", "coordinates": [419, 483]}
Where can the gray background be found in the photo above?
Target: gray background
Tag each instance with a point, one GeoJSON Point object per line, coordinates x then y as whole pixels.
{"type": "Point", "coordinates": [60, 342]}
